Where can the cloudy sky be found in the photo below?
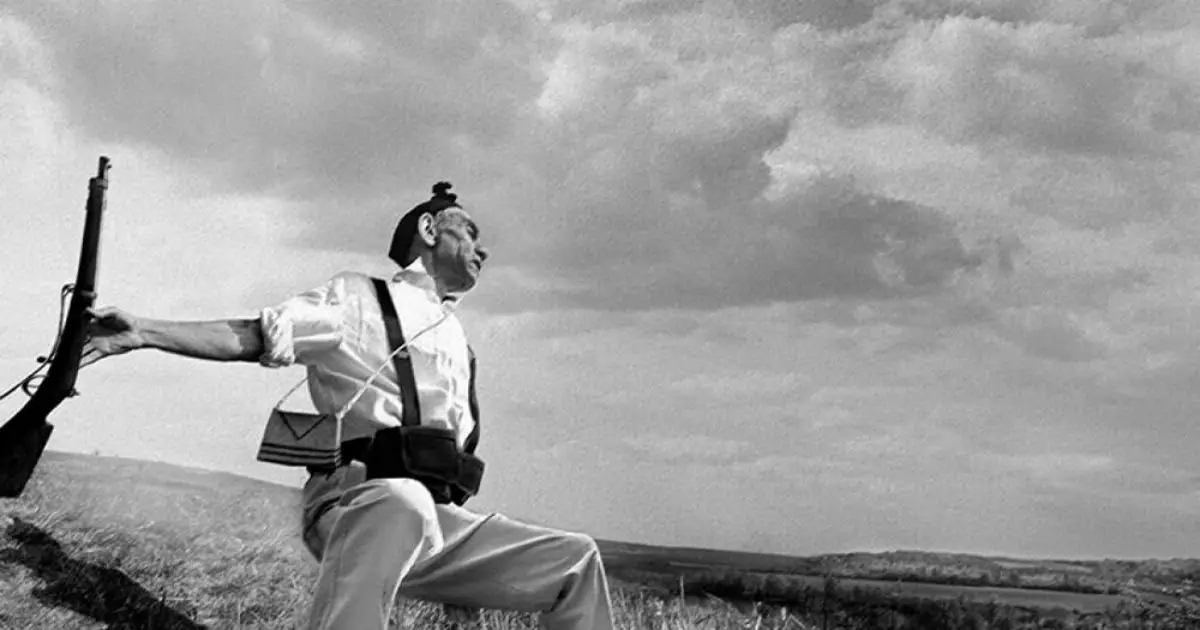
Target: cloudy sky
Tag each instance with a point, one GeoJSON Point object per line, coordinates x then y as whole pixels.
{"type": "Point", "coordinates": [797, 277]}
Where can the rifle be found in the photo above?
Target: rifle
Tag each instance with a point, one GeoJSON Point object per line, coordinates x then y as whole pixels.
{"type": "Point", "coordinates": [23, 438]}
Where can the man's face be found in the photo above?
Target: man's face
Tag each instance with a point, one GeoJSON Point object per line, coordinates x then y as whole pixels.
{"type": "Point", "coordinates": [457, 255]}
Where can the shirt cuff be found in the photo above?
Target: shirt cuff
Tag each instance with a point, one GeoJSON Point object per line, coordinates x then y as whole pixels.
{"type": "Point", "coordinates": [279, 350]}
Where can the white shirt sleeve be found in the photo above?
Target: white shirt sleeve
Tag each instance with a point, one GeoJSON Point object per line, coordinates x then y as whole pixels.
{"type": "Point", "coordinates": [302, 327]}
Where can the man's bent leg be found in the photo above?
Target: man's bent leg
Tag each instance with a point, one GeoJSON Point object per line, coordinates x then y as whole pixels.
{"type": "Point", "coordinates": [380, 529]}
{"type": "Point", "coordinates": [505, 564]}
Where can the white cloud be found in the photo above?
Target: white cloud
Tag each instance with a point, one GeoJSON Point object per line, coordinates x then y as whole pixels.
{"type": "Point", "coordinates": [254, 95]}
{"type": "Point", "coordinates": [1044, 86]}
{"type": "Point", "coordinates": [686, 449]}
{"type": "Point", "coordinates": [1052, 334]}
{"type": "Point", "coordinates": [1055, 467]}
{"type": "Point", "coordinates": [756, 384]}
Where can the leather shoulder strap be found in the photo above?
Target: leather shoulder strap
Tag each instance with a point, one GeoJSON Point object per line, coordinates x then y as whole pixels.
{"type": "Point", "coordinates": [401, 361]}
{"type": "Point", "coordinates": [473, 401]}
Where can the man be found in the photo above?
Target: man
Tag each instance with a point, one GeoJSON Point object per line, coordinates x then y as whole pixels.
{"type": "Point", "coordinates": [377, 537]}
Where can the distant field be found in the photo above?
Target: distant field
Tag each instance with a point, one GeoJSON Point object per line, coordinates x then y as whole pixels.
{"type": "Point", "coordinates": [1054, 566]}
{"type": "Point", "coordinates": [668, 560]}
{"type": "Point", "coordinates": [1024, 597]}
{"type": "Point", "coordinates": [1031, 598]}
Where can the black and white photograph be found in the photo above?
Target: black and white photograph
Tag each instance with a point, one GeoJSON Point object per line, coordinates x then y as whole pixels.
{"type": "Point", "coordinates": [600, 314]}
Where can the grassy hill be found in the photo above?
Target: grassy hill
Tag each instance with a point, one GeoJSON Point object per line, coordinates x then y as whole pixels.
{"type": "Point", "coordinates": [99, 542]}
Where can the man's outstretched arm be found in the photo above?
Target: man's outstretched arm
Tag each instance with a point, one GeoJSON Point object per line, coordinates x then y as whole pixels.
{"type": "Point", "coordinates": [222, 340]}
{"type": "Point", "coordinates": [114, 331]}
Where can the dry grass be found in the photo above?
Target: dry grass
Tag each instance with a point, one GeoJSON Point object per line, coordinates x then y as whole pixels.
{"type": "Point", "coordinates": [88, 549]}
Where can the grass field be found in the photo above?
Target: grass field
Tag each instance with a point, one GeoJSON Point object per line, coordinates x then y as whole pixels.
{"type": "Point", "coordinates": [122, 544]}
{"type": "Point", "coordinates": [107, 543]}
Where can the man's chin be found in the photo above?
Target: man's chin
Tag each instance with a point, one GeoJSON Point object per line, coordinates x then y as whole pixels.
{"type": "Point", "coordinates": [464, 286]}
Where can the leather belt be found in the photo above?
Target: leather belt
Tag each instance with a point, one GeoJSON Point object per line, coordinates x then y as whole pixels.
{"type": "Point", "coordinates": [428, 455]}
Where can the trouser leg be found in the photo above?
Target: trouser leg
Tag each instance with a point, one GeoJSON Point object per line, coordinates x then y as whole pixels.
{"type": "Point", "coordinates": [505, 564]}
{"type": "Point", "coordinates": [374, 535]}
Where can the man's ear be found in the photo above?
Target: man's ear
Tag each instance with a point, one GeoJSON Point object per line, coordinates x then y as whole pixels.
{"type": "Point", "coordinates": [425, 230]}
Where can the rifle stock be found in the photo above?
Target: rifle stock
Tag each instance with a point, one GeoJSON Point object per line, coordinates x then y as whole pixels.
{"type": "Point", "coordinates": [23, 438]}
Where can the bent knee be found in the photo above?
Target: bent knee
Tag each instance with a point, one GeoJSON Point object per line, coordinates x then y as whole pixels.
{"type": "Point", "coordinates": [403, 506]}
{"type": "Point", "coordinates": [402, 495]}
{"type": "Point", "coordinates": [581, 546]}
{"type": "Point", "coordinates": [409, 493]}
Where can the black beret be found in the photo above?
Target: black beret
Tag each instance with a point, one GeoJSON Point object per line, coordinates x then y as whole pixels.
{"type": "Point", "coordinates": [406, 230]}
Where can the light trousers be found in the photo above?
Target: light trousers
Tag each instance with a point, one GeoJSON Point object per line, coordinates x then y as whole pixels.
{"type": "Point", "coordinates": [381, 537]}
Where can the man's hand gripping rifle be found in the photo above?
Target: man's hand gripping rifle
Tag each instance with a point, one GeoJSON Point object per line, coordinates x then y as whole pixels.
{"type": "Point", "coordinates": [23, 438]}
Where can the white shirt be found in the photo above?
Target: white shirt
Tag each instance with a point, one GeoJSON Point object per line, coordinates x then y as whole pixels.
{"type": "Point", "coordinates": [337, 331]}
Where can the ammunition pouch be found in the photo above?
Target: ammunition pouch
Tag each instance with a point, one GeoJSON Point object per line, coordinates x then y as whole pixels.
{"type": "Point", "coordinates": [429, 455]}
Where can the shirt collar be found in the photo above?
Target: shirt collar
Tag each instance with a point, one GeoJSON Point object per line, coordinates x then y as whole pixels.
{"type": "Point", "coordinates": [416, 275]}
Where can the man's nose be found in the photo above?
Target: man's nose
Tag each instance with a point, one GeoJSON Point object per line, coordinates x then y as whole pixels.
{"type": "Point", "coordinates": [483, 253]}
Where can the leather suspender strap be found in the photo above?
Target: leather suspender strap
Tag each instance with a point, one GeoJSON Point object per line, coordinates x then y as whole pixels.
{"type": "Point", "coordinates": [401, 361]}
{"type": "Point", "coordinates": [472, 439]}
